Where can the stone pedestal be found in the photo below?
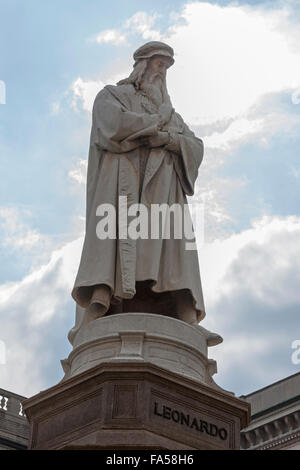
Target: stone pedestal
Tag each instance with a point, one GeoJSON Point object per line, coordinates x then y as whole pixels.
{"type": "Point", "coordinates": [137, 381]}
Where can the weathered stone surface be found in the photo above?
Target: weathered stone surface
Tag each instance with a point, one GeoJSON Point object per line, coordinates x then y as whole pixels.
{"type": "Point", "coordinates": [167, 342]}
{"type": "Point", "coordinates": [134, 405]}
{"type": "Point", "coordinates": [142, 156]}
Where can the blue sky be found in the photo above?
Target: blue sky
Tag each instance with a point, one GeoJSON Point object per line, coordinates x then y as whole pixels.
{"type": "Point", "coordinates": [236, 82]}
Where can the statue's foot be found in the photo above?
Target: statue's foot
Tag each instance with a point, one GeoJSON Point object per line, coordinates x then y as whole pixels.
{"type": "Point", "coordinates": [212, 339]}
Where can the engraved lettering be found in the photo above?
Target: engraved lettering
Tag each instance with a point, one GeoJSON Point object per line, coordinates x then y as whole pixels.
{"type": "Point", "coordinates": [184, 419]}
{"type": "Point", "coordinates": [195, 424]}
{"type": "Point", "coordinates": [155, 409]}
{"type": "Point", "coordinates": [167, 412]}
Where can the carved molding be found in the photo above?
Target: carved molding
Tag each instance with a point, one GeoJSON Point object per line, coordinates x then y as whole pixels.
{"type": "Point", "coordinates": [3, 402]}
{"type": "Point", "coordinates": [277, 433]}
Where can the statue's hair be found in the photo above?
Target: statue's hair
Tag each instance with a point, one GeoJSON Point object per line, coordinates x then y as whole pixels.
{"type": "Point", "coordinates": [136, 76]}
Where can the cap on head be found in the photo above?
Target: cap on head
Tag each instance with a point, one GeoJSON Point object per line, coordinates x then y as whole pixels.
{"type": "Point", "coordinates": [154, 48]}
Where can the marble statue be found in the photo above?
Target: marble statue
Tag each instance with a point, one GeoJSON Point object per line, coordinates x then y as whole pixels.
{"type": "Point", "coordinates": [141, 152]}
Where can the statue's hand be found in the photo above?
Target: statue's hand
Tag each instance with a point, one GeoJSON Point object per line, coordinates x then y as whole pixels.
{"type": "Point", "coordinates": [165, 112]}
{"type": "Point", "coordinates": [159, 140]}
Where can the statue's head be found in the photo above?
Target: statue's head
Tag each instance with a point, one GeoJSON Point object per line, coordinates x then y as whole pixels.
{"type": "Point", "coordinates": [152, 49]}
{"type": "Point", "coordinates": [151, 62]}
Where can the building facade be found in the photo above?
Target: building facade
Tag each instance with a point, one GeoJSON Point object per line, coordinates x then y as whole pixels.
{"type": "Point", "coordinates": [14, 427]}
{"type": "Point", "coordinates": [275, 416]}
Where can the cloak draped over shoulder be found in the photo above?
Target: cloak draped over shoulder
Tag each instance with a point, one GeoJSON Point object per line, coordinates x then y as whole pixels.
{"type": "Point", "coordinates": [114, 169]}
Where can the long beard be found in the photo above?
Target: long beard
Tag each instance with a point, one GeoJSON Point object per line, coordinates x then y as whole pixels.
{"type": "Point", "coordinates": [156, 91]}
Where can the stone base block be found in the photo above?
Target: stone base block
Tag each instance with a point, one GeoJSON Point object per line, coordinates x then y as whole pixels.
{"type": "Point", "coordinates": [135, 405]}
{"type": "Point", "coordinates": [143, 337]}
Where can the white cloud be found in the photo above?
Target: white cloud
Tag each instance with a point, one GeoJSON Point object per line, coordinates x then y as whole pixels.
{"type": "Point", "coordinates": [267, 262]}
{"type": "Point", "coordinates": [85, 92]}
{"type": "Point", "coordinates": [259, 126]}
{"type": "Point", "coordinates": [79, 173]}
{"type": "Point", "coordinates": [16, 233]}
{"type": "Point", "coordinates": [251, 290]}
{"type": "Point", "coordinates": [250, 56]}
{"type": "Point", "coordinates": [271, 239]}
{"type": "Point", "coordinates": [236, 132]}
{"type": "Point", "coordinates": [36, 313]}
{"type": "Point", "coordinates": [142, 23]}
{"type": "Point", "coordinates": [222, 77]}
{"type": "Point", "coordinates": [112, 36]}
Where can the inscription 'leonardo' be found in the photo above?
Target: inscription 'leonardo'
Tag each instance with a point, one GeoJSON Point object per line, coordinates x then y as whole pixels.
{"type": "Point", "coordinates": [191, 422]}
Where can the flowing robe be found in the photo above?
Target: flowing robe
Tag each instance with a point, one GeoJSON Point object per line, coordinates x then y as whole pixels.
{"type": "Point", "coordinates": [116, 163]}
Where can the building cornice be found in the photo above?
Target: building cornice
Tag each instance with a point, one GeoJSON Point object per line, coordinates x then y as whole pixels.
{"type": "Point", "coordinates": [278, 433]}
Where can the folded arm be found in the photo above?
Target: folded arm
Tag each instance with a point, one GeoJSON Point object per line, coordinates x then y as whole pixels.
{"type": "Point", "coordinates": [119, 130]}
{"type": "Point", "coordinates": [186, 148]}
